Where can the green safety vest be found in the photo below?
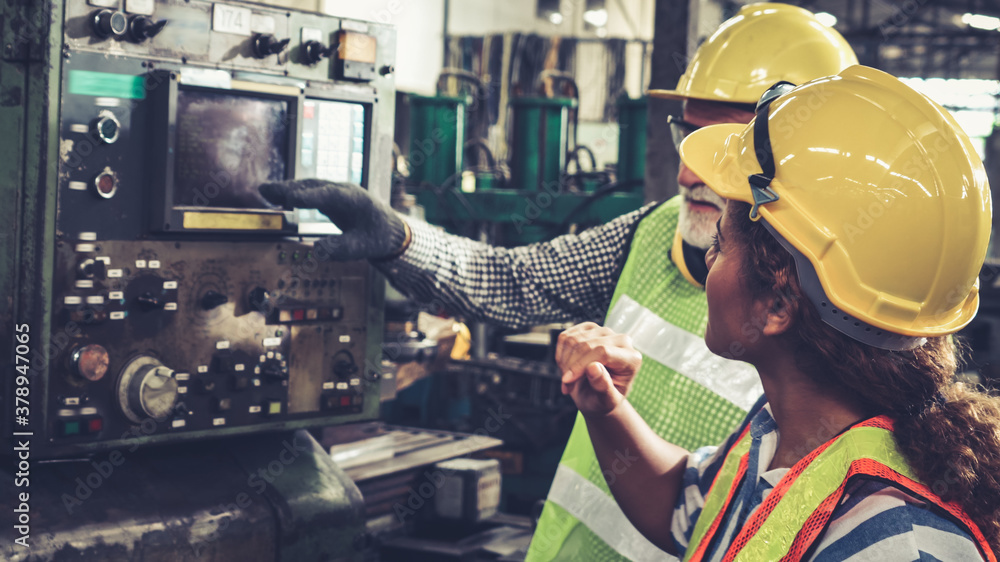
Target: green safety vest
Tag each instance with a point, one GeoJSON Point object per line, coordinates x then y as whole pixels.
{"type": "Point", "coordinates": [795, 513]}
{"type": "Point", "coordinates": [676, 391]}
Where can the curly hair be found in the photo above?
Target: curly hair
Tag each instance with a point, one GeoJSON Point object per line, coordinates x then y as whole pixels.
{"type": "Point", "coordinates": [953, 444]}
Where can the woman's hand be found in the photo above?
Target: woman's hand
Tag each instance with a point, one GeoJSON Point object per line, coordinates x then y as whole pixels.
{"type": "Point", "coordinates": [598, 366]}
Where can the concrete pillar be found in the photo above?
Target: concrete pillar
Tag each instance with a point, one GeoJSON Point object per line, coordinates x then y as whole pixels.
{"type": "Point", "coordinates": [667, 64]}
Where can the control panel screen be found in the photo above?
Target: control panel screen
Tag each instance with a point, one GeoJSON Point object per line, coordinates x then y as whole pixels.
{"type": "Point", "coordinates": [227, 145]}
{"type": "Point", "coordinates": [332, 146]}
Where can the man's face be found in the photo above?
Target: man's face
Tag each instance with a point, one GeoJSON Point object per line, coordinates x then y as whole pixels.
{"type": "Point", "coordinates": [702, 207]}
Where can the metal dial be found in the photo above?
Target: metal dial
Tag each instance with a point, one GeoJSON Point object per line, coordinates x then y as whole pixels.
{"type": "Point", "coordinates": [147, 389]}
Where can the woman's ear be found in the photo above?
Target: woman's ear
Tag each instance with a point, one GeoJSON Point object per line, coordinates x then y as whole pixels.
{"type": "Point", "coordinates": [780, 315]}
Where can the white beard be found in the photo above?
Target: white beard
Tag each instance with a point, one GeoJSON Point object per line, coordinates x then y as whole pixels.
{"type": "Point", "coordinates": [698, 227]}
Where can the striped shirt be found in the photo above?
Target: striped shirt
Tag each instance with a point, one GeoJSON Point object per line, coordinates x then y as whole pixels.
{"type": "Point", "coordinates": [875, 521]}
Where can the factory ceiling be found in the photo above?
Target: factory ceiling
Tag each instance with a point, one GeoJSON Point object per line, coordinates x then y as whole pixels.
{"type": "Point", "coordinates": [926, 38]}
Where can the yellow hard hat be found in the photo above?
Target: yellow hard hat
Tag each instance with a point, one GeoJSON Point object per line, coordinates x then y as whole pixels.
{"type": "Point", "coordinates": [876, 191]}
{"type": "Point", "coordinates": [760, 45]}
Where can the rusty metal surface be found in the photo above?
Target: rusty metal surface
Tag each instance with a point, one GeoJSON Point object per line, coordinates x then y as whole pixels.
{"type": "Point", "coordinates": [269, 498]}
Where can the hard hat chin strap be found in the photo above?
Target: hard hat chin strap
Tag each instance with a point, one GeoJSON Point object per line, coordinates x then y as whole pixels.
{"type": "Point", "coordinates": [760, 183]}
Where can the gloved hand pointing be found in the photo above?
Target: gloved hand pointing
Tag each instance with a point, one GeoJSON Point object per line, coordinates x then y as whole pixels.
{"type": "Point", "coordinates": [371, 229]}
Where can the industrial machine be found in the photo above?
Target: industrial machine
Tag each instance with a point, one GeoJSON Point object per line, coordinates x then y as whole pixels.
{"type": "Point", "coordinates": [152, 284]}
{"type": "Point", "coordinates": [152, 297]}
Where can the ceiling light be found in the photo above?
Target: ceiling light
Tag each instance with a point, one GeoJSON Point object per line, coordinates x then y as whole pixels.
{"type": "Point", "coordinates": [980, 21]}
{"type": "Point", "coordinates": [596, 18]}
{"type": "Point", "coordinates": [827, 19]}
{"type": "Point", "coordinates": [556, 18]}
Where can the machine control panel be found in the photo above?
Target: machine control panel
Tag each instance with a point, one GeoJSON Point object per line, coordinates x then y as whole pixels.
{"type": "Point", "coordinates": [181, 304]}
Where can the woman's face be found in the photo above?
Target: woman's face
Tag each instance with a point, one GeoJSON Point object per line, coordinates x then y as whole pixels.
{"type": "Point", "coordinates": [731, 328]}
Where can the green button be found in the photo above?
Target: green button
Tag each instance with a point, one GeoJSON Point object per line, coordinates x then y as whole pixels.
{"type": "Point", "coordinates": [295, 256]}
{"type": "Point", "coordinates": [274, 407]}
{"type": "Point", "coordinates": [71, 428]}
{"type": "Point", "coordinates": [282, 255]}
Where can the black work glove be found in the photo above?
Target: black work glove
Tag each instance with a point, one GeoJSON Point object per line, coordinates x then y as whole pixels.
{"type": "Point", "coordinates": [371, 229]}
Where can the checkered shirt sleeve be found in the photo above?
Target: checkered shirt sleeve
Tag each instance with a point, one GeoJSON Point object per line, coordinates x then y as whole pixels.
{"type": "Point", "coordinates": [568, 279]}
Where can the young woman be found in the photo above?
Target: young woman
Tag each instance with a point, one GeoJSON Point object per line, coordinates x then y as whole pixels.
{"type": "Point", "coordinates": [849, 250]}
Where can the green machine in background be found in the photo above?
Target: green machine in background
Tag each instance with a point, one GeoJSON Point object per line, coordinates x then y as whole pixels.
{"type": "Point", "coordinates": [540, 198]}
{"type": "Point", "coordinates": [632, 122]}
{"type": "Point", "coordinates": [540, 143]}
{"type": "Point", "coordinates": [437, 135]}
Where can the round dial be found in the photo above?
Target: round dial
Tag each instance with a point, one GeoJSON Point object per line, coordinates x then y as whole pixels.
{"type": "Point", "coordinates": [106, 183]}
{"type": "Point", "coordinates": [107, 127]}
{"type": "Point", "coordinates": [109, 22]}
{"type": "Point", "coordinates": [90, 362]}
{"type": "Point", "coordinates": [147, 389]}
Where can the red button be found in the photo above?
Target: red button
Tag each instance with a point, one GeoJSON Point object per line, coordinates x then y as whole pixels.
{"type": "Point", "coordinates": [298, 314]}
{"type": "Point", "coordinates": [345, 400]}
{"type": "Point", "coordinates": [95, 425]}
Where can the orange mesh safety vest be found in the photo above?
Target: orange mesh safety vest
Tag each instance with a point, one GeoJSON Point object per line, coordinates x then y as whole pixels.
{"type": "Point", "coordinates": [796, 512]}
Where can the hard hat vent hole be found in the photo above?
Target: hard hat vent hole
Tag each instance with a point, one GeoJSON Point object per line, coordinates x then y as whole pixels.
{"type": "Point", "coordinates": [868, 329]}
{"type": "Point", "coordinates": [857, 324]}
{"type": "Point", "coordinates": [845, 318]}
{"type": "Point", "coordinates": [835, 311]}
{"type": "Point", "coordinates": [823, 304]}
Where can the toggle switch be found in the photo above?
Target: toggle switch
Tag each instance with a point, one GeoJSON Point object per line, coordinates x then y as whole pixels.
{"type": "Point", "coordinates": [143, 27]}
{"type": "Point", "coordinates": [265, 45]}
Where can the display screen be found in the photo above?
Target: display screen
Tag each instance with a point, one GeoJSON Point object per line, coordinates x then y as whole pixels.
{"type": "Point", "coordinates": [332, 146]}
{"type": "Point", "coordinates": [227, 145]}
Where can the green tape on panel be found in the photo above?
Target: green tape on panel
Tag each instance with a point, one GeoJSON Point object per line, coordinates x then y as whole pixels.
{"type": "Point", "coordinates": [105, 84]}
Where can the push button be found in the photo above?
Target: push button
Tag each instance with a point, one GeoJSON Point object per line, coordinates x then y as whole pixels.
{"type": "Point", "coordinates": [69, 428]}
{"type": "Point", "coordinates": [95, 425]}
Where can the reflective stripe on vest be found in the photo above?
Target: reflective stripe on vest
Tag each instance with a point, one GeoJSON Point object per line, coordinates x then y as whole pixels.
{"type": "Point", "coordinates": [678, 406]}
{"type": "Point", "coordinates": [795, 513]}
{"type": "Point", "coordinates": [601, 513]}
{"type": "Point", "coordinates": [685, 353]}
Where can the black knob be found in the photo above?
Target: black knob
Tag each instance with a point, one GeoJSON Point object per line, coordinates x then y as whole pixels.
{"type": "Point", "coordinates": [273, 369]}
{"type": "Point", "coordinates": [387, 70]}
{"type": "Point", "coordinates": [92, 269]}
{"type": "Point", "coordinates": [109, 22]}
{"type": "Point", "coordinates": [344, 368]}
{"type": "Point", "coordinates": [143, 27]}
{"type": "Point", "coordinates": [212, 299]}
{"type": "Point", "coordinates": [314, 51]}
{"type": "Point", "coordinates": [259, 300]}
{"type": "Point", "coordinates": [205, 384]}
{"type": "Point", "coordinates": [150, 302]}
{"type": "Point", "coordinates": [265, 45]}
